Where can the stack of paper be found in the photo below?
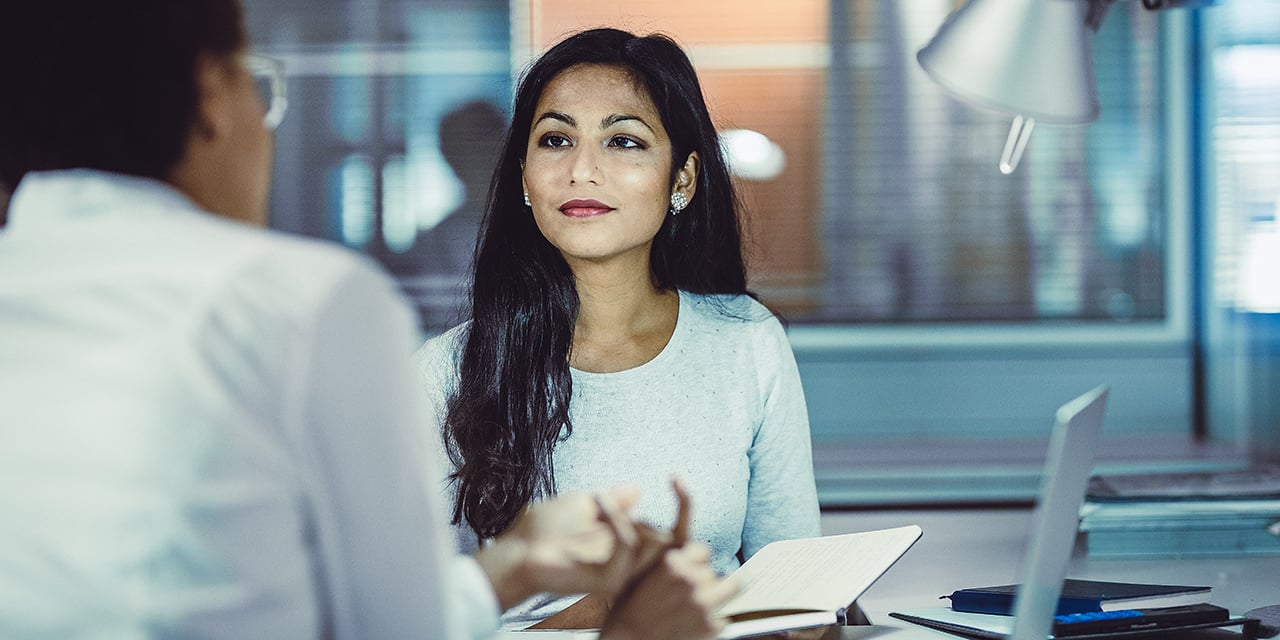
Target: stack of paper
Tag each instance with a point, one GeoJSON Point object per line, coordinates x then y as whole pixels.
{"type": "Point", "coordinates": [1183, 514]}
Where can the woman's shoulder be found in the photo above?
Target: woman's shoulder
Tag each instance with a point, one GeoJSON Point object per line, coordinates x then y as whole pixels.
{"type": "Point", "coordinates": [727, 308]}
{"type": "Point", "coordinates": [439, 354]}
{"type": "Point", "coordinates": [736, 319]}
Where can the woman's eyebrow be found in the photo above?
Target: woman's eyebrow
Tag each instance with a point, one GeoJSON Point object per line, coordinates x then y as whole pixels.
{"type": "Point", "coordinates": [556, 115]}
{"type": "Point", "coordinates": [611, 120]}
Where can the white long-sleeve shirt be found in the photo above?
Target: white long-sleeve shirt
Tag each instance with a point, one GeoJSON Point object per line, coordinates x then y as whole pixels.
{"type": "Point", "coordinates": [207, 430]}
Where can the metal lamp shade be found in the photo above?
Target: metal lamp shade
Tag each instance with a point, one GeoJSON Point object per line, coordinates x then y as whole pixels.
{"type": "Point", "coordinates": [1024, 57]}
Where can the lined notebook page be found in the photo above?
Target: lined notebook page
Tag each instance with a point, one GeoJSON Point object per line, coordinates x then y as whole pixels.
{"type": "Point", "coordinates": [824, 574]}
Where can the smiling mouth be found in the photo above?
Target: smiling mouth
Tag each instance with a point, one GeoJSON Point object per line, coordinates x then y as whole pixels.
{"type": "Point", "coordinates": [584, 208]}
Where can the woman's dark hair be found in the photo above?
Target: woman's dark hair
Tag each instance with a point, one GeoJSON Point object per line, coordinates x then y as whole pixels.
{"type": "Point", "coordinates": [511, 406]}
{"type": "Point", "coordinates": [105, 84]}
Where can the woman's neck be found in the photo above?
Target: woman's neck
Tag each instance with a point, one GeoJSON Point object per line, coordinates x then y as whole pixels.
{"type": "Point", "coordinates": [623, 321]}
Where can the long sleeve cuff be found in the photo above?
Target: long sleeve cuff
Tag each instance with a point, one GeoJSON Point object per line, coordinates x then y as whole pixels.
{"type": "Point", "coordinates": [472, 597]}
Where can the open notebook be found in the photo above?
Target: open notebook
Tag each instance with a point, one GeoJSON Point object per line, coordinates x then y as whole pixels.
{"type": "Point", "coordinates": [1072, 445]}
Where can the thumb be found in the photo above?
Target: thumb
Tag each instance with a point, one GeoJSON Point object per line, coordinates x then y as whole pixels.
{"type": "Point", "coordinates": [623, 497]}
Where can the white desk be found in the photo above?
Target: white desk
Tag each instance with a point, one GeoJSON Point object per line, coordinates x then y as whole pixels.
{"type": "Point", "coordinates": [971, 548]}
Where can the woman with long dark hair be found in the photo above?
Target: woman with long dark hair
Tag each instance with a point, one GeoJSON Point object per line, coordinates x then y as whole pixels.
{"type": "Point", "coordinates": [612, 335]}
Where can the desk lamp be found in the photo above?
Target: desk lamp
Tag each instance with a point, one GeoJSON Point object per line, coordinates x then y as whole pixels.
{"type": "Point", "coordinates": [1026, 58]}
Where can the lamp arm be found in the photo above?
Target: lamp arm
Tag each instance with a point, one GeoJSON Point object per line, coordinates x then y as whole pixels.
{"type": "Point", "coordinates": [1097, 10]}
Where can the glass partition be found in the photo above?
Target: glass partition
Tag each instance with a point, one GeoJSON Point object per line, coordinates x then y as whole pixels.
{"type": "Point", "coordinates": [935, 304]}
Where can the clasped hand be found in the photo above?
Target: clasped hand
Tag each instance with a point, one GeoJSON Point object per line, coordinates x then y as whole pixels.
{"type": "Point", "coordinates": [643, 582]}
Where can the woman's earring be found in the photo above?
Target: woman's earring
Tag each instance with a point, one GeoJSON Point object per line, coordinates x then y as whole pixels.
{"type": "Point", "coordinates": [526, 199]}
{"type": "Point", "coordinates": [678, 202]}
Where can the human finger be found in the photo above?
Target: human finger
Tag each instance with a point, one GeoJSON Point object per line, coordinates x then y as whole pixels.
{"type": "Point", "coordinates": [692, 562]}
{"type": "Point", "coordinates": [684, 512]}
{"type": "Point", "coordinates": [720, 591]}
{"type": "Point", "coordinates": [621, 526]}
{"type": "Point", "coordinates": [815, 633]}
{"type": "Point", "coordinates": [670, 600]}
{"type": "Point", "coordinates": [631, 540]}
{"type": "Point", "coordinates": [624, 497]}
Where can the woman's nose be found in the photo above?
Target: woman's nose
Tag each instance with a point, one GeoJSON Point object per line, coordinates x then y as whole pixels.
{"type": "Point", "coordinates": [586, 166]}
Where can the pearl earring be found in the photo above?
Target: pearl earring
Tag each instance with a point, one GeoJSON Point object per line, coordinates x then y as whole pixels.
{"type": "Point", "coordinates": [678, 202]}
{"type": "Point", "coordinates": [526, 199]}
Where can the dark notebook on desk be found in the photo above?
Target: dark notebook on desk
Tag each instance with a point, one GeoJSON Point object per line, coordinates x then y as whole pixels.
{"type": "Point", "coordinates": [1072, 444]}
{"type": "Point", "coordinates": [1081, 596]}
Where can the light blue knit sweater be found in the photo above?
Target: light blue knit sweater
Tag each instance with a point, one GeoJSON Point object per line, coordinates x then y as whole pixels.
{"type": "Point", "coordinates": [721, 406]}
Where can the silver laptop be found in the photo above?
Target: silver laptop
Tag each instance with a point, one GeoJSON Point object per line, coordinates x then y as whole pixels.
{"type": "Point", "coordinates": [1054, 522]}
{"type": "Point", "coordinates": [1056, 516]}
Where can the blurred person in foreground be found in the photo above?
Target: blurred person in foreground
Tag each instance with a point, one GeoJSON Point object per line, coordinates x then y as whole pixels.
{"type": "Point", "coordinates": [210, 430]}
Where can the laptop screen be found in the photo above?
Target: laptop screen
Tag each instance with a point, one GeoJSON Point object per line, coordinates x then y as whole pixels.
{"type": "Point", "coordinates": [1056, 515]}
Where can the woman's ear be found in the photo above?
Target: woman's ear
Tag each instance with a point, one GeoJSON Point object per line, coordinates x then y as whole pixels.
{"type": "Point", "coordinates": [687, 176]}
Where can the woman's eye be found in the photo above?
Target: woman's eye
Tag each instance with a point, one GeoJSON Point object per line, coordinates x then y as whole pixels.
{"type": "Point", "coordinates": [553, 140]}
{"type": "Point", "coordinates": [625, 143]}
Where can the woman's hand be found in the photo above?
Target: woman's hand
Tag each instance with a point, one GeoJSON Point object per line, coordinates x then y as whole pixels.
{"type": "Point", "coordinates": [646, 549]}
{"type": "Point", "coordinates": [678, 596]}
{"type": "Point", "coordinates": [647, 583]}
{"type": "Point", "coordinates": [816, 633]}
{"type": "Point", "coordinates": [676, 599]}
{"type": "Point", "coordinates": [573, 544]}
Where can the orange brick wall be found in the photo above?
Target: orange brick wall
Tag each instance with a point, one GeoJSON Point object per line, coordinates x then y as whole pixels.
{"type": "Point", "coordinates": [690, 21]}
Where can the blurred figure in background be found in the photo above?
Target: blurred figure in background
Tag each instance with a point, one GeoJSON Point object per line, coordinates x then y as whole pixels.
{"type": "Point", "coordinates": [470, 135]}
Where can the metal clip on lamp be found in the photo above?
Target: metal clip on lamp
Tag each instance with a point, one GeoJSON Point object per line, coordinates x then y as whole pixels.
{"type": "Point", "coordinates": [1027, 58]}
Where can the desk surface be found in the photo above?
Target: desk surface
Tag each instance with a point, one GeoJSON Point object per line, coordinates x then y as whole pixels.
{"type": "Point", "coordinates": [969, 548]}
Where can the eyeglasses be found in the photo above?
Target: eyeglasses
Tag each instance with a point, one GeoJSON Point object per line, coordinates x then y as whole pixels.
{"type": "Point", "coordinates": [268, 78]}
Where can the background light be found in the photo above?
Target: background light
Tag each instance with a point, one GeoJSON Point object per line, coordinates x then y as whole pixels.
{"type": "Point", "coordinates": [752, 155]}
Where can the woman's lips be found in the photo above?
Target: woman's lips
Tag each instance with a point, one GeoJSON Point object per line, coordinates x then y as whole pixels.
{"type": "Point", "coordinates": [584, 208]}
